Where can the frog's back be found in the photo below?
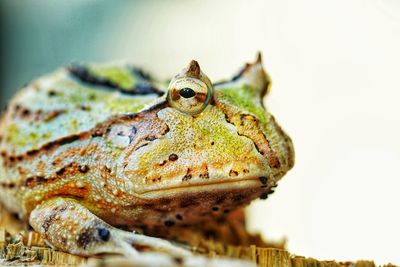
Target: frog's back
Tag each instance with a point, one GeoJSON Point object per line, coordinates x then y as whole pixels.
{"type": "Point", "coordinates": [47, 123]}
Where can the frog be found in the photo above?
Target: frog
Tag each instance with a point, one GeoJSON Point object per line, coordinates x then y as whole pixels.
{"type": "Point", "coordinates": [93, 147]}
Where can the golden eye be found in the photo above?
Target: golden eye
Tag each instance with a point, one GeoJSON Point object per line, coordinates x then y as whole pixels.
{"type": "Point", "coordinates": [189, 95]}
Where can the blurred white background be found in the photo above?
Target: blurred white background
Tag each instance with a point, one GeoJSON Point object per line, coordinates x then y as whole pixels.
{"type": "Point", "coordinates": [335, 67]}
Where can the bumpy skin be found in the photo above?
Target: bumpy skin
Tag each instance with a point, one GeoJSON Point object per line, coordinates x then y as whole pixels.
{"type": "Point", "coordinates": [92, 146]}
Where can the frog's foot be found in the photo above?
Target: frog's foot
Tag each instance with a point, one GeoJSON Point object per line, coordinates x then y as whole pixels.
{"type": "Point", "coordinates": [70, 227]}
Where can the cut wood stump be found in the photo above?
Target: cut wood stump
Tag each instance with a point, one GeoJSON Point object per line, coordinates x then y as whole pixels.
{"type": "Point", "coordinates": [22, 247]}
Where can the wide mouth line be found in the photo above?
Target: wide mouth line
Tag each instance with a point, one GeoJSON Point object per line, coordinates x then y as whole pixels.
{"type": "Point", "coordinates": [199, 185]}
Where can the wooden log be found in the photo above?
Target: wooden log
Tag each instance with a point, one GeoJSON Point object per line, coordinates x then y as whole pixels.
{"type": "Point", "coordinates": [22, 248]}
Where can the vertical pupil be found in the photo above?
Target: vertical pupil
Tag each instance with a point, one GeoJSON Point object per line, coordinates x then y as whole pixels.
{"type": "Point", "coordinates": [187, 92]}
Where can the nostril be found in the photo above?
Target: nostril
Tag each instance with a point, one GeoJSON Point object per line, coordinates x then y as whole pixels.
{"type": "Point", "coordinates": [187, 92]}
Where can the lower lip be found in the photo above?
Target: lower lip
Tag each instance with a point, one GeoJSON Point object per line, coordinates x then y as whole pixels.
{"type": "Point", "coordinates": [194, 188]}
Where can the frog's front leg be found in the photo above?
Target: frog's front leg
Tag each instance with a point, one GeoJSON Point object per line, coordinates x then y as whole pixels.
{"type": "Point", "coordinates": [69, 226]}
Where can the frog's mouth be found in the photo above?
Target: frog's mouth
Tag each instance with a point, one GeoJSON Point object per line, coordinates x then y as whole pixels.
{"type": "Point", "coordinates": [199, 188]}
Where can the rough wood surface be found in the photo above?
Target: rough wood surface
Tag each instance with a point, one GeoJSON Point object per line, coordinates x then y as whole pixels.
{"type": "Point", "coordinates": [22, 247]}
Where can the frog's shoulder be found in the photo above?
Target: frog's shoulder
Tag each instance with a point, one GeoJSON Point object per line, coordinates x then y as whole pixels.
{"type": "Point", "coordinates": [72, 100]}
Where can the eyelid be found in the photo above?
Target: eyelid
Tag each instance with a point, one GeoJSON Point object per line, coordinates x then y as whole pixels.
{"type": "Point", "coordinates": [195, 84]}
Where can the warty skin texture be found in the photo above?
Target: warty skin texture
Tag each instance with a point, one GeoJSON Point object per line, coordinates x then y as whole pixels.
{"type": "Point", "coordinates": [103, 144]}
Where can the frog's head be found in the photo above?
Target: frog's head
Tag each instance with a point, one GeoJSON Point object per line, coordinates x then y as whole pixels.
{"type": "Point", "coordinates": [219, 144]}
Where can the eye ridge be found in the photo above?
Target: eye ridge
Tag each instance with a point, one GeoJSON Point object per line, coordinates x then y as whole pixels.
{"type": "Point", "coordinates": [187, 92]}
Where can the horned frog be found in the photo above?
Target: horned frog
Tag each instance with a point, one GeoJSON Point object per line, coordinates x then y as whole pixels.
{"type": "Point", "coordinates": [91, 147]}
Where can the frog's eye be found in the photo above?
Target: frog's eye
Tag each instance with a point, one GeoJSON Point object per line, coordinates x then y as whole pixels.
{"type": "Point", "coordinates": [189, 95]}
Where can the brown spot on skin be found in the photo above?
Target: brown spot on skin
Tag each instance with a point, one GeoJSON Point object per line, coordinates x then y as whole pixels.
{"type": "Point", "coordinates": [169, 223]}
{"type": "Point", "coordinates": [85, 108]}
{"type": "Point", "coordinates": [85, 238]}
{"type": "Point", "coordinates": [48, 221]}
{"type": "Point", "coordinates": [178, 260]}
{"type": "Point", "coordinates": [37, 115]}
{"type": "Point", "coordinates": [162, 163]}
{"type": "Point", "coordinates": [233, 173]}
{"type": "Point", "coordinates": [187, 177]}
{"type": "Point", "coordinates": [32, 152]}
{"type": "Point", "coordinates": [264, 195]}
{"type": "Point", "coordinates": [37, 180]}
{"type": "Point", "coordinates": [92, 97]}
{"type": "Point", "coordinates": [263, 179]}
{"type": "Point", "coordinates": [204, 175]}
{"type": "Point", "coordinates": [40, 180]}
{"type": "Point", "coordinates": [108, 170]}
{"type": "Point", "coordinates": [53, 114]}
{"type": "Point", "coordinates": [16, 216]}
{"type": "Point", "coordinates": [25, 113]}
{"type": "Point", "coordinates": [52, 93]}
{"type": "Point", "coordinates": [8, 185]}
{"type": "Point", "coordinates": [59, 142]}
{"type": "Point", "coordinates": [68, 139]}
{"type": "Point", "coordinates": [150, 138]}
{"type": "Point", "coordinates": [61, 171]}
{"type": "Point", "coordinates": [143, 145]}
{"type": "Point", "coordinates": [98, 133]}
{"type": "Point", "coordinates": [173, 157]}
{"type": "Point", "coordinates": [29, 182]}
{"type": "Point", "coordinates": [83, 169]}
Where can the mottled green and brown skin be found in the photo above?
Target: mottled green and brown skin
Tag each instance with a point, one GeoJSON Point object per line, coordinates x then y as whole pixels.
{"type": "Point", "coordinates": [92, 146]}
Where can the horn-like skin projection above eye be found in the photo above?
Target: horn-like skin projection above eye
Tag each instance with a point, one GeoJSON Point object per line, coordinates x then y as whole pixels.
{"type": "Point", "coordinates": [190, 91]}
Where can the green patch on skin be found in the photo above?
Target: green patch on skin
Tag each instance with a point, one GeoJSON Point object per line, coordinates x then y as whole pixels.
{"type": "Point", "coordinates": [120, 76]}
{"type": "Point", "coordinates": [76, 94]}
{"type": "Point", "coordinates": [244, 98]}
{"type": "Point", "coordinates": [73, 125]}
{"type": "Point", "coordinates": [115, 102]}
{"type": "Point", "coordinates": [124, 105]}
{"type": "Point", "coordinates": [207, 136]}
{"type": "Point", "coordinates": [12, 134]}
{"type": "Point", "coordinates": [17, 137]}
{"type": "Point", "coordinates": [225, 140]}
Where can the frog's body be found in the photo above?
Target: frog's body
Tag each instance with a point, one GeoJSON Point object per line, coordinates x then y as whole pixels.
{"type": "Point", "coordinates": [89, 146]}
